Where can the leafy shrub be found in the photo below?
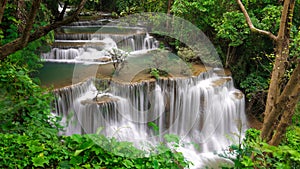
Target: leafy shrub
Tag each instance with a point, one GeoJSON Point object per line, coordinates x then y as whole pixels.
{"type": "Point", "coordinates": [82, 151]}
{"type": "Point", "coordinates": [155, 73]}
{"type": "Point", "coordinates": [98, 151]}
{"type": "Point", "coordinates": [29, 150]}
{"type": "Point", "coordinates": [254, 83]}
{"type": "Point", "coordinates": [23, 103]}
{"type": "Point", "coordinates": [187, 54]}
{"type": "Point", "coordinates": [255, 153]}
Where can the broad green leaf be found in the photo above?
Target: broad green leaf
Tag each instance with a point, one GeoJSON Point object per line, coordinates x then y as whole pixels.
{"type": "Point", "coordinates": [39, 161]}
{"type": "Point", "coordinates": [128, 164]}
{"type": "Point", "coordinates": [77, 152]}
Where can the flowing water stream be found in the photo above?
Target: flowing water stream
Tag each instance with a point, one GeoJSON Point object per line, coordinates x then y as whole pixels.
{"type": "Point", "coordinates": [204, 109]}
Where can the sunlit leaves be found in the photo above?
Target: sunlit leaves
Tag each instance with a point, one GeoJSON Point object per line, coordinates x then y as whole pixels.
{"type": "Point", "coordinates": [233, 28]}
{"type": "Point", "coordinates": [39, 161]}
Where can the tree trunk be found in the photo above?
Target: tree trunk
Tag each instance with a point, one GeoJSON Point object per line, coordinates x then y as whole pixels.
{"type": "Point", "coordinates": [62, 13]}
{"type": "Point", "coordinates": [29, 22]}
{"type": "Point", "coordinates": [288, 101]}
{"type": "Point", "coordinates": [280, 102]}
{"type": "Point", "coordinates": [169, 7]}
{"type": "Point", "coordinates": [168, 12]}
{"type": "Point", "coordinates": [2, 8]}
{"type": "Point", "coordinates": [21, 15]}
{"type": "Point", "coordinates": [230, 55]}
{"type": "Point", "coordinates": [271, 116]}
{"type": "Point", "coordinates": [282, 54]}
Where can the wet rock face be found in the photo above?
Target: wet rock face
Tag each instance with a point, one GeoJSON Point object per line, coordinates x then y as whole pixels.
{"type": "Point", "coordinates": [238, 95]}
{"type": "Point", "coordinates": [103, 59]}
{"type": "Point", "coordinates": [221, 81]}
{"type": "Point", "coordinates": [99, 100]}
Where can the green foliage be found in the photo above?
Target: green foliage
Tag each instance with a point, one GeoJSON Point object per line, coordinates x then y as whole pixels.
{"type": "Point", "coordinates": [134, 6]}
{"type": "Point", "coordinates": [9, 25]}
{"type": "Point", "coordinates": [154, 127]}
{"type": "Point", "coordinates": [155, 5]}
{"type": "Point", "coordinates": [233, 28]}
{"type": "Point", "coordinates": [187, 54]}
{"type": "Point", "coordinates": [295, 44]}
{"type": "Point", "coordinates": [195, 10]}
{"type": "Point", "coordinates": [23, 103]}
{"type": "Point", "coordinates": [29, 57]}
{"type": "Point", "coordinates": [82, 151]}
{"type": "Point", "coordinates": [269, 20]}
{"type": "Point", "coordinates": [155, 73]}
{"type": "Point", "coordinates": [99, 151]}
{"type": "Point", "coordinates": [255, 153]}
{"type": "Point", "coordinates": [123, 6]}
{"type": "Point", "coordinates": [296, 117]}
{"type": "Point", "coordinates": [254, 83]}
{"type": "Point", "coordinates": [12, 25]}
{"type": "Point", "coordinates": [29, 150]}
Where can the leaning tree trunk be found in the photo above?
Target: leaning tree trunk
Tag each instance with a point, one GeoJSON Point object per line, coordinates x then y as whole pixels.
{"type": "Point", "coordinates": [282, 98]}
{"type": "Point", "coordinates": [271, 115]}
{"type": "Point", "coordinates": [287, 101]}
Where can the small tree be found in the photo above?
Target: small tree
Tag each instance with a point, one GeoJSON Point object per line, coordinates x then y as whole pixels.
{"type": "Point", "coordinates": [118, 57]}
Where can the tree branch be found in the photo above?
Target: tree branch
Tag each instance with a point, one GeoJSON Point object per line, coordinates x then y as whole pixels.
{"type": "Point", "coordinates": [30, 20]}
{"type": "Point", "coordinates": [16, 45]}
{"type": "Point", "coordinates": [61, 15]}
{"type": "Point", "coordinates": [250, 24]}
{"type": "Point", "coordinates": [283, 20]}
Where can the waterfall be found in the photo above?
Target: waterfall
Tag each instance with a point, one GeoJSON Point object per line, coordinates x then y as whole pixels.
{"type": "Point", "coordinates": [206, 110]}
{"type": "Point", "coordinates": [57, 53]}
{"type": "Point", "coordinates": [72, 41]}
{"type": "Point", "coordinates": [149, 42]}
{"type": "Point", "coordinates": [66, 101]}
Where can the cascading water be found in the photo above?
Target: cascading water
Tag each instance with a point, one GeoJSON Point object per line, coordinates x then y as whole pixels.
{"type": "Point", "coordinates": [73, 43]}
{"type": "Point", "coordinates": [206, 109]}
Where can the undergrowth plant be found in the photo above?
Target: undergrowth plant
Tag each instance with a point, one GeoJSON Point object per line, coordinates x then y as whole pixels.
{"type": "Point", "coordinates": [82, 151]}
{"type": "Point", "coordinates": [255, 153]}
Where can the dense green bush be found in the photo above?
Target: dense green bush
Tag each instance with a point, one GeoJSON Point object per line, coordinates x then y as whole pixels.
{"type": "Point", "coordinates": [81, 151]}
{"type": "Point", "coordinates": [23, 103]}
{"type": "Point", "coordinates": [255, 153]}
